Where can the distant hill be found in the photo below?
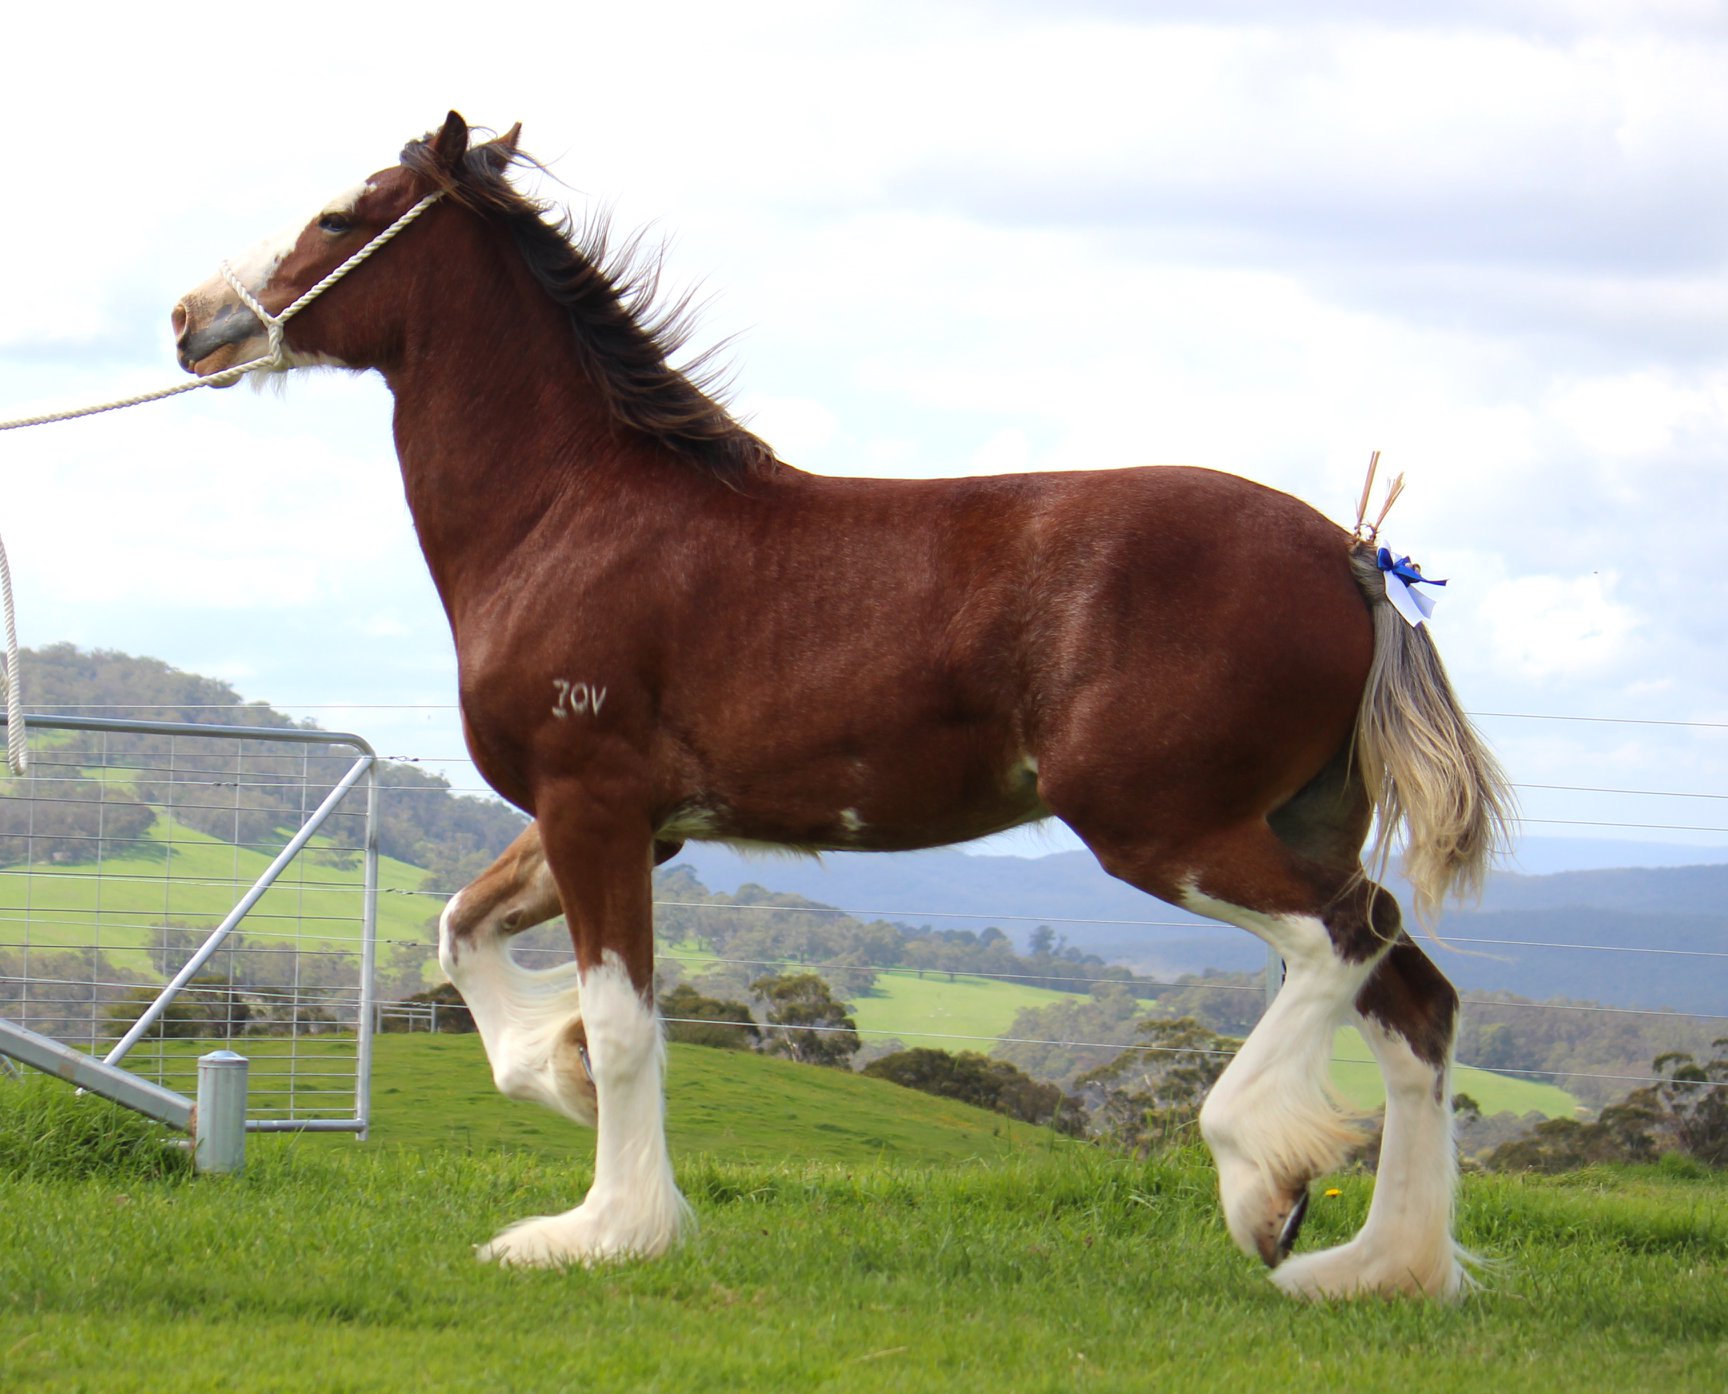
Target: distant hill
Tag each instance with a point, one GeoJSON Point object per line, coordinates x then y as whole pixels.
{"type": "Point", "coordinates": [1695, 890]}
{"type": "Point", "coordinates": [420, 820]}
{"type": "Point", "coordinates": [948, 888]}
{"type": "Point", "coordinates": [1680, 911]}
{"type": "Point", "coordinates": [436, 1091]}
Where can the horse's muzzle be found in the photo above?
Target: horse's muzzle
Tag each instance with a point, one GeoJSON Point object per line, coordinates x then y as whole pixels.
{"type": "Point", "coordinates": [196, 344]}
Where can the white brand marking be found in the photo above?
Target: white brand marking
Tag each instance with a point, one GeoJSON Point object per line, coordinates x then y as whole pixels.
{"type": "Point", "coordinates": [577, 699]}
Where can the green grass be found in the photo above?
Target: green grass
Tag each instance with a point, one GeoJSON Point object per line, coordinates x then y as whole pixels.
{"type": "Point", "coordinates": [346, 1267]}
{"type": "Point", "coordinates": [1358, 1079]}
{"type": "Point", "coordinates": [436, 1092]}
{"type": "Point", "coordinates": [965, 1013]}
{"type": "Point", "coordinates": [969, 1013]}
{"type": "Point", "coordinates": [197, 881]}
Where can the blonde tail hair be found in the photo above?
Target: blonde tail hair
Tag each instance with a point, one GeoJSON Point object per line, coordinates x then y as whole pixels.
{"type": "Point", "coordinates": [1423, 764]}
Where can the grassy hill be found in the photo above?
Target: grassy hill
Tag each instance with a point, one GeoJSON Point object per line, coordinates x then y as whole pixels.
{"type": "Point", "coordinates": [189, 877]}
{"type": "Point", "coordinates": [1358, 1079]}
{"type": "Point", "coordinates": [330, 1265]}
{"type": "Point", "coordinates": [967, 1013]}
{"type": "Point", "coordinates": [193, 878]}
{"type": "Point", "coordinates": [434, 1092]}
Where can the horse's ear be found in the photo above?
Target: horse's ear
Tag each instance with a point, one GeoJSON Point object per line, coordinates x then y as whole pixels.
{"type": "Point", "coordinates": [501, 151]}
{"type": "Point", "coordinates": [451, 143]}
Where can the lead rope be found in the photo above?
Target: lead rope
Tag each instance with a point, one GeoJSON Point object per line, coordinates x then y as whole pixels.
{"type": "Point", "coordinates": [17, 758]}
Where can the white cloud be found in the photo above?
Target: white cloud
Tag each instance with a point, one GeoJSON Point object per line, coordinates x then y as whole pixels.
{"type": "Point", "coordinates": [1486, 239]}
{"type": "Point", "coordinates": [1640, 413]}
{"type": "Point", "coordinates": [1552, 627]}
{"type": "Point", "coordinates": [796, 427]}
{"type": "Point", "coordinates": [1006, 452]}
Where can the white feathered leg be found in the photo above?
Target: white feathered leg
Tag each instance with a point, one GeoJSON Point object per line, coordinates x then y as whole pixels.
{"type": "Point", "coordinates": [530, 1022]}
{"type": "Point", "coordinates": [1406, 1244]}
{"type": "Point", "coordinates": [1272, 1120]}
{"type": "Point", "coordinates": [633, 1209]}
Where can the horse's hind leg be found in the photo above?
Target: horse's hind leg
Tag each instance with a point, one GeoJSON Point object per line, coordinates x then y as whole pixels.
{"type": "Point", "coordinates": [1408, 1015]}
{"type": "Point", "coordinates": [1272, 1121]}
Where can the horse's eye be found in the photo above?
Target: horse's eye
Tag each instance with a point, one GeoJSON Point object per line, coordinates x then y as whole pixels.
{"type": "Point", "coordinates": [335, 223]}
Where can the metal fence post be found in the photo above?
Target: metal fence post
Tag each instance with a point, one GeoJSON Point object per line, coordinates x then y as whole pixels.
{"type": "Point", "coordinates": [219, 1125]}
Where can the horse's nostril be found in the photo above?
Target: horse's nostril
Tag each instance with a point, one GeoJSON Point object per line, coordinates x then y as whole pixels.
{"type": "Point", "coordinates": [179, 320]}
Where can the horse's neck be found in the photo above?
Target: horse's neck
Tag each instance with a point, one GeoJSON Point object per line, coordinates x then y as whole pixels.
{"type": "Point", "coordinates": [495, 429]}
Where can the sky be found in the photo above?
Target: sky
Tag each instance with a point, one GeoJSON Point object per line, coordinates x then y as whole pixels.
{"type": "Point", "coordinates": [1489, 241]}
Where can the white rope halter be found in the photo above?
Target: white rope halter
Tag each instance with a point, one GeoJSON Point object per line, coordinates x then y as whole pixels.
{"type": "Point", "coordinates": [274, 360]}
{"type": "Point", "coordinates": [274, 324]}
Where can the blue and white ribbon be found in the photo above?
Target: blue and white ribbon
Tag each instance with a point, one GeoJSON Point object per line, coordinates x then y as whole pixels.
{"type": "Point", "coordinates": [1402, 576]}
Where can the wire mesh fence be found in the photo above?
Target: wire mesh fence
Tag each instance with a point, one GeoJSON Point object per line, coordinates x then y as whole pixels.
{"type": "Point", "coordinates": [111, 851]}
{"type": "Point", "coordinates": [1578, 1053]}
{"type": "Point", "coordinates": [167, 889]}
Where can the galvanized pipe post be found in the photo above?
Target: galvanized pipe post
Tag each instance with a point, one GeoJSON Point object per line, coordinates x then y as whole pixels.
{"type": "Point", "coordinates": [219, 1125]}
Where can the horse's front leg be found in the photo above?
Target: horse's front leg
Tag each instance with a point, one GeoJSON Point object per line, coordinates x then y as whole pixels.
{"type": "Point", "coordinates": [633, 1208]}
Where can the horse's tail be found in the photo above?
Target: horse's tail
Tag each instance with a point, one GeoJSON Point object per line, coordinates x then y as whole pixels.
{"type": "Point", "coordinates": [1423, 764]}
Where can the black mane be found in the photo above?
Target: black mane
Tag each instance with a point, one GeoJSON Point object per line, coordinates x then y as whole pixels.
{"type": "Point", "coordinates": [625, 340]}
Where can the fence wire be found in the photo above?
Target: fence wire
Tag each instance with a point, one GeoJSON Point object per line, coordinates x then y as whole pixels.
{"type": "Point", "coordinates": [305, 939]}
{"type": "Point", "coordinates": [128, 843]}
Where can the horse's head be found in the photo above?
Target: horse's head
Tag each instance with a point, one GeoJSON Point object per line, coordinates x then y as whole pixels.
{"type": "Point", "coordinates": [348, 325]}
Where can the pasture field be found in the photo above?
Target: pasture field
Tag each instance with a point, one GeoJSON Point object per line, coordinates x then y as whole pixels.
{"type": "Point", "coordinates": [336, 1266]}
{"type": "Point", "coordinates": [958, 1012]}
{"type": "Point", "coordinates": [1358, 1079]}
{"type": "Point", "coordinates": [127, 895]}
{"type": "Point", "coordinates": [436, 1094]}
{"type": "Point", "coordinates": [190, 877]}
{"type": "Point", "coordinates": [966, 1012]}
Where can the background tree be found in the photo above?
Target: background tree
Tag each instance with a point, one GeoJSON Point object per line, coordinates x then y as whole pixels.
{"type": "Point", "coordinates": [1064, 1040]}
{"type": "Point", "coordinates": [56, 814]}
{"type": "Point", "coordinates": [688, 1015]}
{"type": "Point", "coordinates": [1148, 1098]}
{"type": "Point", "coordinates": [978, 1080]}
{"type": "Point", "coordinates": [1693, 1103]}
{"type": "Point", "coordinates": [1685, 1112]}
{"type": "Point", "coordinates": [1228, 1003]}
{"type": "Point", "coordinates": [805, 1021]}
{"type": "Point", "coordinates": [204, 1008]}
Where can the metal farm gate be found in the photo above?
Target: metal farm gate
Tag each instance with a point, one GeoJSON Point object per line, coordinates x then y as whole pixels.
{"type": "Point", "coordinates": [169, 889]}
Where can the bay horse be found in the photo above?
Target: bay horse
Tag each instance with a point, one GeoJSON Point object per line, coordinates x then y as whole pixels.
{"type": "Point", "coordinates": [665, 632]}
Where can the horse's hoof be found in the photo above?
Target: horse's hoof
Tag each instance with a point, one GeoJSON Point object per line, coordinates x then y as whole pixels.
{"type": "Point", "coordinates": [1292, 1227]}
{"type": "Point", "coordinates": [1279, 1224]}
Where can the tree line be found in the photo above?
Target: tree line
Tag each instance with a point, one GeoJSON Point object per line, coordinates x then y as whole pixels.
{"type": "Point", "coordinates": [92, 794]}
